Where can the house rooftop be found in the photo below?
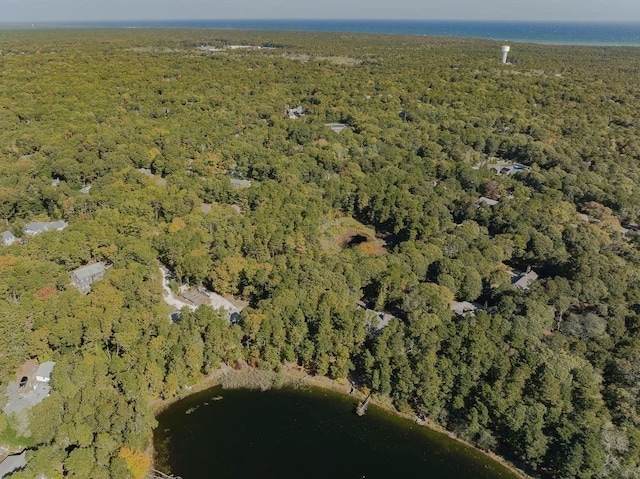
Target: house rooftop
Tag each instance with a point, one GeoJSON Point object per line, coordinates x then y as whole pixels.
{"type": "Point", "coordinates": [45, 369]}
{"type": "Point", "coordinates": [488, 201]}
{"type": "Point", "coordinates": [196, 297]}
{"type": "Point", "coordinates": [505, 168]}
{"type": "Point", "coordinates": [376, 321]}
{"type": "Point", "coordinates": [8, 237]}
{"type": "Point", "coordinates": [88, 271]}
{"type": "Point", "coordinates": [524, 280]}
{"type": "Point", "coordinates": [36, 227]}
{"type": "Point", "coordinates": [238, 183]}
{"type": "Point", "coordinates": [337, 127]}
{"type": "Point", "coordinates": [13, 463]}
{"type": "Point", "coordinates": [462, 308]}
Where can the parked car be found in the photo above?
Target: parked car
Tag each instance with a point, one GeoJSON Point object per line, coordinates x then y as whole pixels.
{"type": "Point", "coordinates": [23, 381]}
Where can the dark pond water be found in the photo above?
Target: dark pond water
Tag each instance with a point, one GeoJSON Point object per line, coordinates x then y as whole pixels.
{"type": "Point", "coordinates": [304, 434]}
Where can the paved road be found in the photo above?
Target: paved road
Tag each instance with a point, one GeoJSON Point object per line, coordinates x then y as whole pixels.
{"type": "Point", "coordinates": [25, 398]}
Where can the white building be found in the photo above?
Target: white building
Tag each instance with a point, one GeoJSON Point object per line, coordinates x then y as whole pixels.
{"type": "Point", "coordinates": [337, 127]}
{"type": "Point", "coordinates": [8, 238]}
{"type": "Point", "coordinates": [505, 51]}
{"type": "Point", "coordinates": [487, 201]}
{"type": "Point", "coordinates": [37, 227]}
{"type": "Point", "coordinates": [43, 374]}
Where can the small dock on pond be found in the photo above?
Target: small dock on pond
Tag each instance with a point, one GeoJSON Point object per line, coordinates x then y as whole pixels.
{"type": "Point", "coordinates": [361, 410]}
{"type": "Point", "coordinates": [155, 474]}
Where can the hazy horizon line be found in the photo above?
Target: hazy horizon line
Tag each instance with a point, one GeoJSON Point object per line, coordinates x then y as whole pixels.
{"type": "Point", "coordinates": [319, 20]}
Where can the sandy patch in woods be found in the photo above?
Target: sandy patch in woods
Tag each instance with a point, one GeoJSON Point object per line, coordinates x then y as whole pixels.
{"type": "Point", "coordinates": [340, 233]}
{"type": "Point", "coordinates": [336, 60]}
{"type": "Point", "coordinates": [28, 369]}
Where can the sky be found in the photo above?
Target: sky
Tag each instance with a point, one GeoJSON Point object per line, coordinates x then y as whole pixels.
{"type": "Point", "coordinates": [33, 11]}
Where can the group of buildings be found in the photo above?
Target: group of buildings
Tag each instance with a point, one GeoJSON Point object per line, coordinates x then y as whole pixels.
{"type": "Point", "coordinates": [297, 112]}
{"type": "Point", "coordinates": [83, 277]}
{"type": "Point", "coordinates": [32, 229]}
{"type": "Point", "coordinates": [22, 396]}
{"type": "Point", "coordinates": [522, 280]}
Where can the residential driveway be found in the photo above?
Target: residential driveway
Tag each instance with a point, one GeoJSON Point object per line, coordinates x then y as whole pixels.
{"type": "Point", "coordinates": [215, 300]}
{"type": "Point", "coordinates": [168, 295]}
{"type": "Point", "coordinates": [20, 399]}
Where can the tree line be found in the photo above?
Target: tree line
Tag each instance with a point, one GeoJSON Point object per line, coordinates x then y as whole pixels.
{"type": "Point", "coordinates": [546, 377]}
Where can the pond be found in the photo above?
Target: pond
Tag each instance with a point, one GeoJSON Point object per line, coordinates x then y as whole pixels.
{"type": "Point", "coordinates": [305, 433]}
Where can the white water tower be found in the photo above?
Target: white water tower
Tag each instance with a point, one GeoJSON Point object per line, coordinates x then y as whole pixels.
{"type": "Point", "coordinates": [505, 52]}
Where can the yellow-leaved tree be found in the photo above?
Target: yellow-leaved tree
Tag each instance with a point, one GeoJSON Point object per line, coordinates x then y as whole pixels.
{"type": "Point", "coordinates": [137, 462]}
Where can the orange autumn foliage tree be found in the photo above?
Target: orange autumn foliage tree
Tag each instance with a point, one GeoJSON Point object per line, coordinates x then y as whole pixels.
{"type": "Point", "coordinates": [137, 462]}
{"type": "Point", "coordinates": [44, 293]}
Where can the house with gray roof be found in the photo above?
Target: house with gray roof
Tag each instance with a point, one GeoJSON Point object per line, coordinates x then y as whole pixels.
{"type": "Point", "coordinates": [43, 374]}
{"type": "Point", "coordinates": [375, 321]}
{"type": "Point", "coordinates": [13, 463]}
{"type": "Point", "coordinates": [22, 397]}
{"type": "Point", "coordinates": [462, 308]}
{"type": "Point", "coordinates": [238, 183]}
{"type": "Point", "coordinates": [196, 298]}
{"type": "Point", "coordinates": [487, 201]}
{"type": "Point", "coordinates": [523, 281]}
{"type": "Point", "coordinates": [337, 127]}
{"type": "Point", "coordinates": [37, 227]}
{"type": "Point", "coordinates": [83, 277]}
{"type": "Point", "coordinates": [8, 238]}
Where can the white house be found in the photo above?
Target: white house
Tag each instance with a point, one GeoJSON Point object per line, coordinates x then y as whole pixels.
{"type": "Point", "coordinates": [8, 238]}
{"type": "Point", "coordinates": [37, 227]}
{"type": "Point", "coordinates": [43, 374]}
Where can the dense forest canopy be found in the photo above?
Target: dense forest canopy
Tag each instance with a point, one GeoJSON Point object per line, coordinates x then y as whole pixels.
{"type": "Point", "coordinates": [454, 173]}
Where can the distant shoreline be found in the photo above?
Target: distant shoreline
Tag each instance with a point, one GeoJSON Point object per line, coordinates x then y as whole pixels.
{"type": "Point", "coordinates": [545, 33]}
{"type": "Point", "coordinates": [291, 375]}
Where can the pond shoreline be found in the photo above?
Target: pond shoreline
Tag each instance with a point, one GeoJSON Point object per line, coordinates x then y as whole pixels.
{"type": "Point", "coordinates": [291, 375]}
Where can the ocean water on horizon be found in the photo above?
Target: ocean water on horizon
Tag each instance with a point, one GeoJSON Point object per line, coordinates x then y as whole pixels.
{"type": "Point", "coordinates": [562, 33]}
